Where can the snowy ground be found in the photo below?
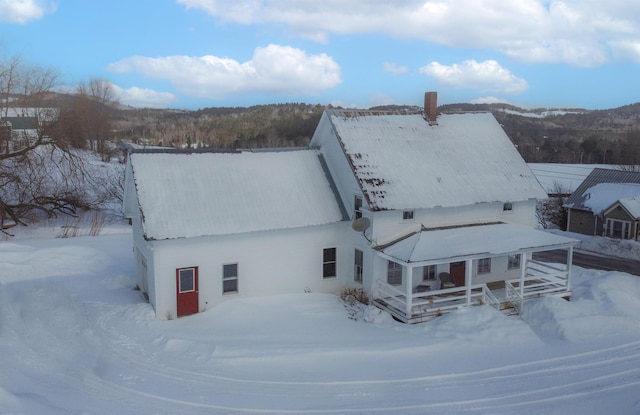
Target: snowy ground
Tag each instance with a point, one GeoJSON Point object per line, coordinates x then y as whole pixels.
{"type": "Point", "coordinates": [620, 248]}
{"type": "Point", "coordinates": [76, 338]}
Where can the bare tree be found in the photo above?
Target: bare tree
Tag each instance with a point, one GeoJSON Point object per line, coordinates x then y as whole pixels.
{"type": "Point", "coordinates": [37, 170]}
{"type": "Point", "coordinates": [550, 212]}
{"type": "Point", "coordinates": [25, 92]}
{"type": "Point", "coordinates": [92, 105]}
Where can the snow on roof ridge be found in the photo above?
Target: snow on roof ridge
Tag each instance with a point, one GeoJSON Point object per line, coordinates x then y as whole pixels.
{"type": "Point", "coordinates": [601, 196]}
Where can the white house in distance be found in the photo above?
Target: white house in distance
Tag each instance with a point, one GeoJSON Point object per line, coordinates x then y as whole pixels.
{"type": "Point", "coordinates": [425, 212]}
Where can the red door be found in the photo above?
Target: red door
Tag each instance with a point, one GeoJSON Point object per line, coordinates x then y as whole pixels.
{"type": "Point", "coordinates": [457, 271]}
{"type": "Point", "coordinates": [187, 291]}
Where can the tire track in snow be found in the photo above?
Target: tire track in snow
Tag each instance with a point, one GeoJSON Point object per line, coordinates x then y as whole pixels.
{"type": "Point", "coordinates": [564, 378]}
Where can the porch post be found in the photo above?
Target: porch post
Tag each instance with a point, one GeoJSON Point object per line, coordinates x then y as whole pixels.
{"type": "Point", "coordinates": [523, 272]}
{"type": "Point", "coordinates": [409, 290]}
{"type": "Point", "coordinates": [468, 272]}
{"type": "Point", "coordinates": [569, 263]}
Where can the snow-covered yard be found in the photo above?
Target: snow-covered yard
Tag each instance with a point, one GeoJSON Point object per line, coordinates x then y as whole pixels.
{"type": "Point", "coordinates": [76, 338]}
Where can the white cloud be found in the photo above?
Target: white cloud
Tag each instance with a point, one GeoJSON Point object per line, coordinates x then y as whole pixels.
{"type": "Point", "coordinates": [627, 49]}
{"type": "Point", "coordinates": [486, 76]}
{"type": "Point", "coordinates": [273, 69]}
{"type": "Point", "coordinates": [579, 32]}
{"type": "Point", "coordinates": [394, 68]}
{"type": "Point", "coordinates": [143, 97]}
{"type": "Point", "coordinates": [23, 11]}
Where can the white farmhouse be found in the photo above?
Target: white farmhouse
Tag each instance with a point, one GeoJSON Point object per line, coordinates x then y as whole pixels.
{"type": "Point", "coordinates": [425, 212]}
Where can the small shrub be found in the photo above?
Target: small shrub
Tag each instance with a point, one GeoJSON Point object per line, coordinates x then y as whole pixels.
{"type": "Point", "coordinates": [97, 223]}
{"type": "Point", "coordinates": [70, 229]}
{"type": "Point", "coordinates": [352, 296]}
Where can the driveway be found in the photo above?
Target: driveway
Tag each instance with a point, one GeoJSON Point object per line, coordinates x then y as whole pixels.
{"type": "Point", "coordinates": [592, 260]}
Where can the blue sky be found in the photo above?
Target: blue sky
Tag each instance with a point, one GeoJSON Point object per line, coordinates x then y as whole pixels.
{"type": "Point", "coordinates": [205, 53]}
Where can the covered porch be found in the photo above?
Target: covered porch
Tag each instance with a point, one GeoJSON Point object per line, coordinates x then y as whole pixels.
{"type": "Point", "coordinates": [460, 256]}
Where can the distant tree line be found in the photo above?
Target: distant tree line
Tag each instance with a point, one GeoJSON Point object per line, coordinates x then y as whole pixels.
{"type": "Point", "coordinates": [609, 137]}
{"type": "Point", "coordinates": [554, 140]}
{"type": "Point", "coordinates": [276, 125]}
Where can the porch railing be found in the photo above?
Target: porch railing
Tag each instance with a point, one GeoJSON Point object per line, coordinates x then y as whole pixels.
{"type": "Point", "coordinates": [433, 303]}
{"type": "Point", "coordinates": [540, 279]}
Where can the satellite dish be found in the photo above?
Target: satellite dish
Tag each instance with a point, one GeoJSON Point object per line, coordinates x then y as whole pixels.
{"type": "Point", "coordinates": [361, 224]}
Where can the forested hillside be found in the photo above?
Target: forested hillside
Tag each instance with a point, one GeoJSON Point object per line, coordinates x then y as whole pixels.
{"type": "Point", "coordinates": [541, 135]}
{"type": "Point", "coordinates": [278, 125]}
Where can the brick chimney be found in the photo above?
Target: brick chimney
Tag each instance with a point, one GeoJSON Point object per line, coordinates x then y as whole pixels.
{"type": "Point", "coordinates": [431, 107]}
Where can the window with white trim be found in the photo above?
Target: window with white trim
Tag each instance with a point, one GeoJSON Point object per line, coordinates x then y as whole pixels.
{"type": "Point", "coordinates": [230, 278]}
{"type": "Point", "coordinates": [620, 229]}
{"type": "Point", "coordinates": [186, 280]}
{"type": "Point", "coordinates": [484, 266]}
{"type": "Point", "coordinates": [429, 272]}
{"type": "Point", "coordinates": [358, 267]}
{"type": "Point", "coordinates": [513, 261]}
{"type": "Point", "coordinates": [394, 273]}
{"type": "Point", "coordinates": [329, 263]}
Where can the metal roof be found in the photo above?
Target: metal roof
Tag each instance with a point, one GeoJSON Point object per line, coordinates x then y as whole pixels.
{"type": "Point", "coordinates": [599, 176]}
{"type": "Point", "coordinates": [22, 123]}
{"type": "Point", "coordinates": [403, 161]}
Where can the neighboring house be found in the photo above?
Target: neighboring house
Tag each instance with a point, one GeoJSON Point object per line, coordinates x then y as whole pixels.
{"type": "Point", "coordinates": [16, 131]}
{"type": "Point", "coordinates": [424, 212]}
{"type": "Point", "coordinates": [19, 126]}
{"type": "Point", "coordinates": [607, 203]}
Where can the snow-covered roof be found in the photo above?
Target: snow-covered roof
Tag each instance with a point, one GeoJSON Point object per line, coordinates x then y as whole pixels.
{"type": "Point", "coordinates": [473, 241]}
{"type": "Point", "coordinates": [602, 187]}
{"type": "Point", "coordinates": [632, 205]}
{"type": "Point", "coordinates": [403, 162]}
{"type": "Point", "coordinates": [197, 194]}
{"type": "Point", "coordinates": [603, 195]}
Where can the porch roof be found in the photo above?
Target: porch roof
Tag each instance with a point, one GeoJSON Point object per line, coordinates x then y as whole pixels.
{"type": "Point", "coordinates": [475, 241]}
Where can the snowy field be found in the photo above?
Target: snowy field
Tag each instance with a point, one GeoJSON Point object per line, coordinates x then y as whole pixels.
{"type": "Point", "coordinates": [566, 177]}
{"type": "Point", "coordinates": [76, 338]}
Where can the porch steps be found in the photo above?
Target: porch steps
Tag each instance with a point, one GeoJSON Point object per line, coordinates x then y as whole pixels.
{"type": "Point", "coordinates": [509, 309]}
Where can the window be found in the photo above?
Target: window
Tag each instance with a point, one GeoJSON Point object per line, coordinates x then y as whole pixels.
{"type": "Point", "coordinates": [329, 263]}
{"type": "Point", "coordinates": [618, 229]}
{"type": "Point", "coordinates": [230, 278]}
{"type": "Point", "coordinates": [186, 279]}
{"type": "Point", "coordinates": [407, 215]}
{"type": "Point", "coordinates": [484, 266]}
{"type": "Point", "coordinates": [507, 207]}
{"type": "Point", "coordinates": [357, 207]}
{"type": "Point", "coordinates": [429, 273]}
{"type": "Point", "coordinates": [514, 261]}
{"type": "Point", "coordinates": [394, 273]}
{"type": "Point", "coordinates": [358, 266]}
